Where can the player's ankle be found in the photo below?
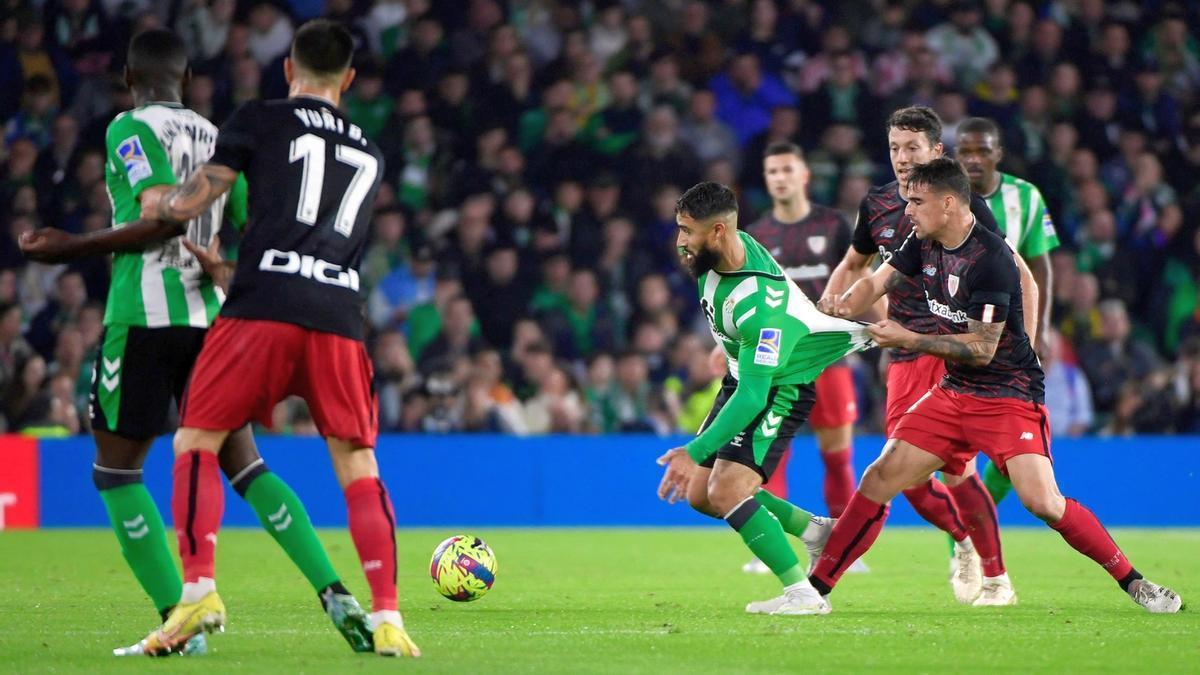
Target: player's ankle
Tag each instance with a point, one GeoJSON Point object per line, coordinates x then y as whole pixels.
{"type": "Point", "coordinates": [194, 591]}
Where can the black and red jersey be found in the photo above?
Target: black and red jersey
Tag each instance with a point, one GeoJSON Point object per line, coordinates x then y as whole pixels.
{"type": "Point", "coordinates": [312, 178]}
{"type": "Point", "coordinates": [978, 280]}
{"type": "Point", "coordinates": [881, 228]}
{"type": "Point", "coordinates": [807, 249]}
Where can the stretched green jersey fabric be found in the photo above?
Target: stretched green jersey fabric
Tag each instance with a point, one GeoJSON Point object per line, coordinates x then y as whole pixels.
{"type": "Point", "coordinates": [161, 144]}
{"type": "Point", "coordinates": [772, 335]}
{"type": "Point", "coordinates": [1023, 217]}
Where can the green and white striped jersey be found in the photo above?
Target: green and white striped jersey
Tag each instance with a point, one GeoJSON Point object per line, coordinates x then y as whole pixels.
{"type": "Point", "coordinates": [1022, 216]}
{"type": "Point", "coordinates": [767, 326]}
{"type": "Point", "coordinates": [161, 144]}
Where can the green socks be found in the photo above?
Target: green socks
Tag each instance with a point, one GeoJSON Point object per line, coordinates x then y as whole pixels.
{"type": "Point", "coordinates": [284, 518]}
{"type": "Point", "coordinates": [764, 536]}
{"type": "Point", "coordinates": [793, 518]}
{"type": "Point", "coordinates": [139, 528]}
{"type": "Point", "coordinates": [997, 484]}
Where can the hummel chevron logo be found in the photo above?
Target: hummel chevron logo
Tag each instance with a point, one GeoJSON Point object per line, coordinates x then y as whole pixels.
{"type": "Point", "coordinates": [136, 528]}
{"type": "Point", "coordinates": [774, 296]}
{"type": "Point", "coordinates": [281, 519]}
{"type": "Point", "coordinates": [771, 424]}
{"type": "Point", "coordinates": [110, 375]}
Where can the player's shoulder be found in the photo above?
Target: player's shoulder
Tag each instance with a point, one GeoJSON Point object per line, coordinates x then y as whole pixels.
{"type": "Point", "coordinates": [888, 190]}
{"type": "Point", "coordinates": [826, 214]}
{"type": "Point", "coordinates": [992, 242]}
{"type": "Point", "coordinates": [1020, 184]}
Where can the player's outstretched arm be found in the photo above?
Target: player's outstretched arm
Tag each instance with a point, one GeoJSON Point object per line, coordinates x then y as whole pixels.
{"type": "Point", "coordinates": [853, 266]}
{"type": "Point", "coordinates": [188, 200]}
{"type": "Point", "coordinates": [863, 293]}
{"type": "Point", "coordinates": [747, 401]}
{"type": "Point", "coordinates": [976, 347]}
{"type": "Point", "coordinates": [52, 245]}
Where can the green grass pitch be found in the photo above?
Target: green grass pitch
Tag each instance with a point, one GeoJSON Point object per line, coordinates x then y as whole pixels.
{"type": "Point", "coordinates": [616, 601]}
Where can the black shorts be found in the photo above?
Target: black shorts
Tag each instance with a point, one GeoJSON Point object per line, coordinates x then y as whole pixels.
{"type": "Point", "coordinates": [762, 443]}
{"type": "Point", "coordinates": [138, 373]}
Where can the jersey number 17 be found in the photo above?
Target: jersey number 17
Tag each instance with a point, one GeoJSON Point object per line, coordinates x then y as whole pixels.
{"type": "Point", "coordinates": [310, 149]}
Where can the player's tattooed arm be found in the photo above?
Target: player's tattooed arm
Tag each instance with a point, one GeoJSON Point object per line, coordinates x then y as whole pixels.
{"type": "Point", "coordinates": [189, 199]}
{"type": "Point", "coordinates": [976, 347]}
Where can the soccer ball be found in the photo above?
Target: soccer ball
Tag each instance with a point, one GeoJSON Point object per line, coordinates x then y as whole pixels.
{"type": "Point", "coordinates": [463, 568]}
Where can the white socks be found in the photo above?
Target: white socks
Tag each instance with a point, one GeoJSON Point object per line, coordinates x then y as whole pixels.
{"type": "Point", "coordinates": [195, 591]}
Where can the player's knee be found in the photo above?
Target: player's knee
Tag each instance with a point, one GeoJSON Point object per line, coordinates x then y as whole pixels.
{"type": "Point", "coordinates": [351, 464]}
{"type": "Point", "coordinates": [723, 497]}
{"type": "Point", "coordinates": [1045, 504]}
{"type": "Point", "coordinates": [698, 499]}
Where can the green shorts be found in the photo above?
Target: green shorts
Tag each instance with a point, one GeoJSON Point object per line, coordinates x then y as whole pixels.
{"type": "Point", "coordinates": [762, 443]}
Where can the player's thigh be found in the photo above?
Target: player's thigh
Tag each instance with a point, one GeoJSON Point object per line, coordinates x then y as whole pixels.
{"type": "Point", "coordinates": [187, 343]}
{"type": "Point", "coordinates": [336, 379]}
{"type": "Point", "coordinates": [835, 409]}
{"type": "Point", "coordinates": [730, 484]}
{"type": "Point", "coordinates": [351, 462]}
{"type": "Point", "coordinates": [900, 465]}
{"type": "Point", "coordinates": [1033, 479]}
{"type": "Point", "coordinates": [761, 446]}
{"type": "Point", "coordinates": [968, 470]}
{"type": "Point", "coordinates": [907, 383]}
{"type": "Point", "coordinates": [130, 397]}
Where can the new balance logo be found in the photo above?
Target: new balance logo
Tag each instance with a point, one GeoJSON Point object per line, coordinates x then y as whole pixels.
{"type": "Point", "coordinates": [110, 373]}
{"type": "Point", "coordinates": [372, 565]}
{"type": "Point", "coordinates": [281, 519]}
{"type": "Point", "coordinates": [771, 424]}
{"type": "Point", "coordinates": [774, 296]}
{"type": "Point", "coordinates": [136, 528]}
{"type": "Point", "coordinates": [1027, 435]}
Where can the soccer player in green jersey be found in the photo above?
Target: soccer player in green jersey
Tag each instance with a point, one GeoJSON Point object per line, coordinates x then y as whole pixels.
{"type": "Point", "coordinates": [160, 305]}
{"type": "Point", "coordinates": [776, 344]}
{"type": "Point", "coordinates": [1025, 222]}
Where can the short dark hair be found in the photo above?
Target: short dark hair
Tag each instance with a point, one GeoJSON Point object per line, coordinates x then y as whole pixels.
{"type": "Point", "coordinates": [981, 125]}
{"type": "Point", "coordinates": [323, 47]}
{"type": "Point", "coordinates": [156, 56]}
{"type": "Point", "coordinates": [942, 175]}
{"type": "Point", "coordinates": [705, 200]}
{"type": "Point", "coordinates": [918, 118]}
{"type": "Point", "coordinates": [783, 148]}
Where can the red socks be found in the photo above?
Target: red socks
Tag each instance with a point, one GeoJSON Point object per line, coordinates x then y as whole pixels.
{"type": "Point", "coordinates": [933, 501]}
{"type": "Point", "coordinates": [778, 484]}
{"type": "Point", "coordinates": [373, 529]}
{"type": "Point", "coordinates": [1085, 534]}
{"type": "Point", "coordinates": [839, 480]}
{"type": "Point", "coordinates": [853, 534]}
{"type": "Point", "coordinates": [979, 513]}
{"type": "Point", "coordinates": [197, 503]}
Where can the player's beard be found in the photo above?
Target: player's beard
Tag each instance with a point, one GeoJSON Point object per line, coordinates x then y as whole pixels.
{"type": "Point", "coordinates": [701, 262]}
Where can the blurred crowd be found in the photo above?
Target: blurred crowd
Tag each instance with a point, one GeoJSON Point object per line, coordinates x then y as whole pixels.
{"type": "Point", "coordinates": [522, 275]}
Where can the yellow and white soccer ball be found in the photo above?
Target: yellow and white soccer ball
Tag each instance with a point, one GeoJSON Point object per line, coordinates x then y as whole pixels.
{"type": "Point", "coordinates": [463, 568]}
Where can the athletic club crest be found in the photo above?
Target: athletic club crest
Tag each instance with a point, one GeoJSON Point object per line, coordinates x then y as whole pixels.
{"type": "Point", "coordinates": [817, 244]}
{"type": "Point", "coordinates": [952, 284]}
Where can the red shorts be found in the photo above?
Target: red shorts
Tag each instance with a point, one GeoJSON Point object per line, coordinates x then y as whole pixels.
{"type": "Point", "coordinates": [907, 382]}
{"type": "Point", "coordinates": [248, 366]}
{"type": "Point", "coordinates": [836, 404]}
{"type": "Point", "coordinates": [953, 426]}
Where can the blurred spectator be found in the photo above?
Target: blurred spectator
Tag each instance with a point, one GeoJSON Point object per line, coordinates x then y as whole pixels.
{"type": "Point", "coordinates": [843, 98]}
{"type": "Point", "coordinates": [585, 325]}
{"type": "Point", "coordinates": [503, 296]}
{"type": "Point", "coordinates": [204, 27]}
{"type": "Point", "coordinates": [270, 33]}
{"type": "Point", "coordinates": [840, 156]}
{"type": "Point", "coordinates": [1068, 396]}
{"type": "Point", "coordinates": [706, 136]}
{"type": "Point", "coordinates": [634, 402]}
{"type": "Point", "coordinates": [556, 407]}
{"type": "Point", "coordinates": [661, 158]}
{"type": "Point", "coordinates": [1114, 359]}
{"type": "Point", "coordinates": [746, 96]}
{"type": "Point", "coordinates": [406, 286]}
{"type": "Point", "coordinates": [69, 298]}
{"type": "Point", "coordinates": [395, 375]}
{"type": "Point", "coordinates": [423, 61]}
{"type": "Point", "coordinates": [367, 104]}
{"type": "Point", "coordinates": [14, 350]}
{"type": "Point", "coordinates": [456, 339]}
{"type": "Point", "coordinates": [691, 396]}
{"type": "Point", "coordinates": [963, 44]}
{"type": "Point", "coordinates": [491, 405]}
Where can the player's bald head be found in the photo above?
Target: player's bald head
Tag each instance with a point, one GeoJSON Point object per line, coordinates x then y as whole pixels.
{"type": "Point", "coordinates": [323, 49]}
{"type": "Point", "coordinates": [156, 58]}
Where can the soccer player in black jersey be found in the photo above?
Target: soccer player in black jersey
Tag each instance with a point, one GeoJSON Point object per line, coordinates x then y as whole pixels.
{"type": "Point", "coordinates": [991, 396]}
{"type": "Point", "coordinates": [292, 325]}
{"type": "Point", "coordinates": [960, 507]}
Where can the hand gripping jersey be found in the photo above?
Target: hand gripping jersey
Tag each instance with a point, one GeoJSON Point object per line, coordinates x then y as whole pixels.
{"type": "Point", "coordinates": [977, 280]}
{"type": "Point", "coordinates": [808, 249]}
{"type": "Point", "coordinates": [312, 180]}
{"type": "Point", "coordinates": [162, 144]}
{"type": "Point", "coordinates": [881, 228]}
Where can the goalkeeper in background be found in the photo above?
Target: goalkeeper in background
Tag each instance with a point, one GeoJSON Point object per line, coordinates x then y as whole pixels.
{"type": "Point", "coordinates": [776, 344]}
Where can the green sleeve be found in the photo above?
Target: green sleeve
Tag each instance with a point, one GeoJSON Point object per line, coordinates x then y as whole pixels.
{"type": "Point", "coordinates": [1040, 235]}
{"type": "Point", "coordinates": [235, 206]}
{"type": "Point", "coordinates": [136, 154]}
{"type": "Point", "coordinates": [766, 344]}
